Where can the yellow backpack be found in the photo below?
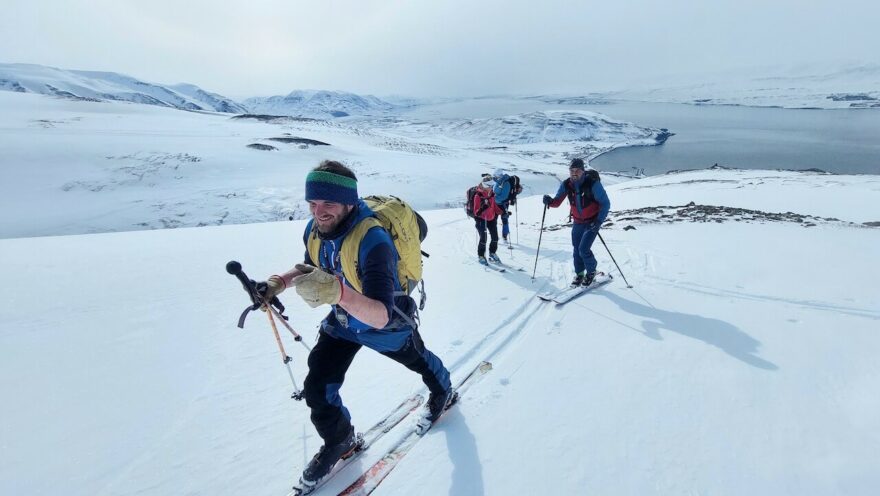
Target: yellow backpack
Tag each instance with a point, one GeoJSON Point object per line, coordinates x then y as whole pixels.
{"type": "Point", "coordinates": [407, 230]}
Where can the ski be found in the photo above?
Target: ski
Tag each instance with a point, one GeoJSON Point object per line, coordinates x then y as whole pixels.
{"type": "Point", "coordinates": [365, 440]}
{"type": "Point", "coordinates": [494, 266]}
{"type": "Point", "coordinates": [509, 267]}
{"type": "Point", "coordinates": [568, 294]}
{"type": "Point", "coordinates": [371, 479]}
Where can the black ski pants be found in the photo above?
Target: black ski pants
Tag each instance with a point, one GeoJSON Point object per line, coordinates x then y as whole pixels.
{"type": "Point", "coordinates": [492, 225]}
{"type": "Point", "coordinates": [329, 361]}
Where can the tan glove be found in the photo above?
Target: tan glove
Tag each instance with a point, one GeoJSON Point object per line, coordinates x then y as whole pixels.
{"type": "Point", "coordinates": [274, 287]}
{"type": "Point", "coordinates": [317, 287]}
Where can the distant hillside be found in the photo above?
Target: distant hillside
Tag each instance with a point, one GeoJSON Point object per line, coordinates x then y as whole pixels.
{"type": "Point", "coordinates": [553, 127]}
{"type": "Point", "coordinates": [101, 86]}
{"type": "Point", "coordinates": [319, 104]}
{"type": "Point", "coordinates": [815, 86]}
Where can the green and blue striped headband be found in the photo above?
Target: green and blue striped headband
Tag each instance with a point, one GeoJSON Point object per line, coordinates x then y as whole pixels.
{"type": "Point", "coordinates": [327, 186]}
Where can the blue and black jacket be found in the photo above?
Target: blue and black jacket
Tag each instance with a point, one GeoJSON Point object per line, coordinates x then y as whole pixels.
{"type": "Point", "coordinates": [378, 275]}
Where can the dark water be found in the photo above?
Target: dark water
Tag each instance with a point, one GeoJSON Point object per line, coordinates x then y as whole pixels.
{"type": "Point", "coordinates": [844, 141]}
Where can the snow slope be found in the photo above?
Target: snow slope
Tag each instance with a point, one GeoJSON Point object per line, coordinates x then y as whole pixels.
{"type": "Point", "coordinates": [742, 361]}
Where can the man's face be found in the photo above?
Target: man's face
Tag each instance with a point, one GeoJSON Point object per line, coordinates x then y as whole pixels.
{"type": "Point", "coordinates": [575, 173]}
{"type": "Point", "coordinates": [328, 214]}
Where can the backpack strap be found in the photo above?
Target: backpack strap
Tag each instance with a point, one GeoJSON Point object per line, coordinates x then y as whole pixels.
{"type": "Point", "coordinates": [348, 253]}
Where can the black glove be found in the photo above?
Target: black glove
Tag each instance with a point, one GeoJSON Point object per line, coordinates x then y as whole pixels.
{"type": "Point", "coordinates": [269, 289]}
{"type": "Point", "coordinates": [484, 204]}
{"type": "Point", "coordinates": [548, 200]}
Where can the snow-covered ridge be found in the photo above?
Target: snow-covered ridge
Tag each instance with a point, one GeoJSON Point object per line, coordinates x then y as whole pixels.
{"type": "Point", "coordinates": [318, 104]}
{"type": "Point", "coordinates": [101, 86]}
{"type": "Point", "coordinates": [847, 87]}
{"type": "Point", "coordinates": [552, 127]}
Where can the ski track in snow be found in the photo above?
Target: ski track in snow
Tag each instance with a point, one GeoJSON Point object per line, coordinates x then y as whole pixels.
{"type": "Point", "coordinates": [813, 305]}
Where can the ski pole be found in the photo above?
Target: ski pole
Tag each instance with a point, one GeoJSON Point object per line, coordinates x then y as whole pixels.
{"type": "Point", "coordinates": [516, 208]}
{"type": "Point", "coordinates": [273, 309]}
{"type": "Point", "coordinates": [540, 234]}
{"type": "Point", "coordinates": [508, 241]}
{"type": "Point", "coordinates": [235, 269]}
{"type": "Point", "coordinates": [615, 261]}
{"type": "Point", "coordinates": [296, 336]}
{"type": "Point", "coordinates": [297, 393]}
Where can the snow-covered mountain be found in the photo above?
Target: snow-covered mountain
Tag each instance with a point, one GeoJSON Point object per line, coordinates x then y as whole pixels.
{"type": "Point", "coordinates": [319, 104]}
{"type": "Point", "coordinates": [212, 100]}
{"type": "Point", "coordinates": [102, 86]}
{"type": "Point", "coordinates": [854, 86]}
{"type": "Point", "coordinates": [552, 127]}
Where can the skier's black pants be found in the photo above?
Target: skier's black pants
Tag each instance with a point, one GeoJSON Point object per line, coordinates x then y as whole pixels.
{"type": "Point", "coordinates": [481, 225]}
{"type": "Point", "coordinates": [328, 363]}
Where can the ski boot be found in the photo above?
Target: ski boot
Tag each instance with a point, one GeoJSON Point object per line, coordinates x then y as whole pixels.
{"type": "Point", "coordinates": [483, 261]}
{"type": "Point", "coordinates": [588, 278]}
{"type": "Point", "coordinates": [494, 258]}
{"type": "Point", "coordinates": [437, 404]}
{"type": "Point", "coordinates": [327, 457]}
{"type": "Point", "coordinates": [578, 280]}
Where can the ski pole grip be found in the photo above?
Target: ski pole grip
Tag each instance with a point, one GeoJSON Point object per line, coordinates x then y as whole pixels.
{"type": "Point", "coordinates": [234, 268]}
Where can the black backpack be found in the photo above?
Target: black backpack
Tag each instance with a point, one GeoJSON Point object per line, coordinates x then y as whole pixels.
{"type": "Point", "coordinates": [515, 189]}
{"type": "Point", "coordinates": [469, 206]}
{"type": "Point", "coordinates": [587, 192]}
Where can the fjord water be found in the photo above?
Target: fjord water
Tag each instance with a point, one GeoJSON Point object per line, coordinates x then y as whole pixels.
{"type": "Point", "coordinates": [844, 141]}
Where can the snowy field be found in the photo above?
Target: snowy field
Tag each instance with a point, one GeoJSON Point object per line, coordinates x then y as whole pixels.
{"type": "Point", "coordinates": [742, 361]}
{"type": "Point", "coordinates": [89, 167]}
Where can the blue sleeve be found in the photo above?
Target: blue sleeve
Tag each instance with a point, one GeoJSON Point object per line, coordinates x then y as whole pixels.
{"type": "Point", "coordinates": [378, 267]}
{"type": "Point", "coordinates": [560, 193]}
{"type": "Point", "coordinates": [601, 196]}
{"type": "Point", "coordinates": [502, 191]}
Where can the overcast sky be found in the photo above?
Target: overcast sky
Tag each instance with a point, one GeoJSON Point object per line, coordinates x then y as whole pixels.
{"type": "Point", "coordinates": [433, 48]}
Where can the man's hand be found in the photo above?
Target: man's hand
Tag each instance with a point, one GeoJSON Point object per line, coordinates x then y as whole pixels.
{"type": "Point", "coordinates": [548, 200]}
{"type": "Point", "coordinates": [269, 289]}
{"type": "Point", "coordinates": [317, 287]}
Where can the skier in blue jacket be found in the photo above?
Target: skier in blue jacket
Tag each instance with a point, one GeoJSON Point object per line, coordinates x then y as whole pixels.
{"type": "Point", "coordinates": [505, 196]}
{"type": "Point", "coordinates": [356, 319]}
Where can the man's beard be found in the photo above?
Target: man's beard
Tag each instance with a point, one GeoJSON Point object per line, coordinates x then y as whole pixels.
{"type": "Point", "coordinates": [334, 224]}
{"type": "Point", "coordinates": [331, 226]}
